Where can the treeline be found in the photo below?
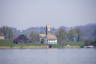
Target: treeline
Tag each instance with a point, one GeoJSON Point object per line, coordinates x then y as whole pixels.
{"type": "Point", "coordinates": [10, 36]}
{"type": "Point", "coordinates": [72, 35]}
{"type": "Point", "coordinates": [63, 36]}
{"type": "Point", "coordinates": [75, 35]}
{"type": "Point", "coordinates": [7, 33]}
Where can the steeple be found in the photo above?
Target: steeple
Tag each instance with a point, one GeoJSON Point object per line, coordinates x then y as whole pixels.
{"type": "Point", "coordinates": [48, 29]}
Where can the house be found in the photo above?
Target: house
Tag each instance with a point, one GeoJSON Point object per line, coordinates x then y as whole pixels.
{"type": "Point", "coordinates": [2, 37]}
{"type": "Point", "coordinates": [48, 38]}
{"type": "Point", "coordinates": [52, 39]}
{"type": "Point", "coordinates": [21, 39]}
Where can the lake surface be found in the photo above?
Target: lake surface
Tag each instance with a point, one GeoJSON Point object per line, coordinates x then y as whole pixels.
{"type": "Point", "coordinates": [48, 56]}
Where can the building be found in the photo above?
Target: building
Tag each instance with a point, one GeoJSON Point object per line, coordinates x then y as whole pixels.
{"type": "Point", "coordinates": [2, 36]}
{"type": "Point", "coordinates": [21, 39]}
{"type": "Point", "coordinates": [48, 38]}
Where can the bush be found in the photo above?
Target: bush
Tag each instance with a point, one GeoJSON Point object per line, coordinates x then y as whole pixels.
{"type": "Point", "coordinates": [90, 42]}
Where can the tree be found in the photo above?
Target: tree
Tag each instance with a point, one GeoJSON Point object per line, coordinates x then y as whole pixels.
{"type": "Point", "coordinates": [21, 39]}
{"type": "Point", "coordinates": [93, 42]}
{"type": "Point", "coordinates": [61, 36]}
{"type": "Point", "coordinates": [70, 35]}
{"type": "Point", "coordinates": [77, 34]}
{"type": "Point", "coordinates": [74, 35]}
{"type": "Point", "coordinates": [34, 37]}
{"type": "Point", "coordinates": [94, 34]}
{"type": "Point", "coordinates": [8, 33]}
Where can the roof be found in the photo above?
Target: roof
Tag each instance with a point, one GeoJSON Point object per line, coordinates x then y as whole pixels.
{"type": "Point", "coordinates": [49, 36]}
{"type": "Point", "coordinates": [42, 35]}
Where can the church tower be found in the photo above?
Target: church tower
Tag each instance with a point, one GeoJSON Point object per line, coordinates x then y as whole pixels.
{"type": "Point", "coordinates": [48, 29]}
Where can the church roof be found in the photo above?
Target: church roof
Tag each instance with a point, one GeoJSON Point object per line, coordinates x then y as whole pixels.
{"type": "Point", "coordinates": [49, 36]}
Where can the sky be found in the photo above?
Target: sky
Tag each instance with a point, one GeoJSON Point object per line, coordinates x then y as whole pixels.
{"type": "Point", "coordinates": [23, 14]}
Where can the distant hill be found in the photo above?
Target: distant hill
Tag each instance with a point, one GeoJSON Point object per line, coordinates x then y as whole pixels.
{"type": "Point", "coordinates": [87, 30]}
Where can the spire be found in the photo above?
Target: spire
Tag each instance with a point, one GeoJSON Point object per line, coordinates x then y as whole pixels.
{"type": "Point", "coordinates": [48, 28]}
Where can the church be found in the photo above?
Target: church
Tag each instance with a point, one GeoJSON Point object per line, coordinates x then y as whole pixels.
{"type": "Point", "coordinates": [48, 37]}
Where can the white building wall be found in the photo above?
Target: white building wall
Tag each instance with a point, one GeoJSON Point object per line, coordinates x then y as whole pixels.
{"type": "Point", "coordinates": [52, 41]}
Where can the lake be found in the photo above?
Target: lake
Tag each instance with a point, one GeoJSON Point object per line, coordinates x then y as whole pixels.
{"type": "Point", "coordinates": [48, 56]}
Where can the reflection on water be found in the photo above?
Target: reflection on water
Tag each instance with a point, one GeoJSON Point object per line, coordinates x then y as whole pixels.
{"type": "Point", "coordinates": [48, 56]}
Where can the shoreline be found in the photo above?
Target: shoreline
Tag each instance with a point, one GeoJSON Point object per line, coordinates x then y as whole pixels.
{"type": "Point", "coordinates": [24, 47]}
{"type": "Point", "coordinates": [35, 47]}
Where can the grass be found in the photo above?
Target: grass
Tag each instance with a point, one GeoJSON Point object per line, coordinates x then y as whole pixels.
{"type": "Point", "coordinates": [75, 43]}
{"type": "Point", "coordinates": [4, 41]}
{"type": "Point", "coordinates": [4, 44]}
{"type": "Point", "coordinates": [7, 43]}
{"type": "Point", "coordinates": [29, 44]}
{"type": "Point", "coordinates": [21, 45]}
{"type": "Point", "coordinates": [56, 46]}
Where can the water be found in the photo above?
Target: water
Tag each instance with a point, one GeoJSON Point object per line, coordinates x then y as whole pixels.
{"type": "Point", "coordinates": [48, 56]}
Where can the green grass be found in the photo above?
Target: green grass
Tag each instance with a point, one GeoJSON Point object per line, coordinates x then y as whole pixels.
{"type": "Point", "coordinates": [4, 44]}
{"type": "Point", "coordinates": [53, 45]}
{"type": "Point", "coordinates": [56, 46]}
{"type": "Point", "coordinates": [4, 41]}
{"type": "Point", "coordinates": [7, 43]}
{"type": "Point", "coordinates": [31, 44]}
{"type": "Point", "coordinates": [75, 43]}
{"type": "Point", "coordinates": [23, 44]}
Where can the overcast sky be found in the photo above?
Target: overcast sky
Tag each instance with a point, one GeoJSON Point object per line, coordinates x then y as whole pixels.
{"type": "Point", "coordinates": [23, 14]}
